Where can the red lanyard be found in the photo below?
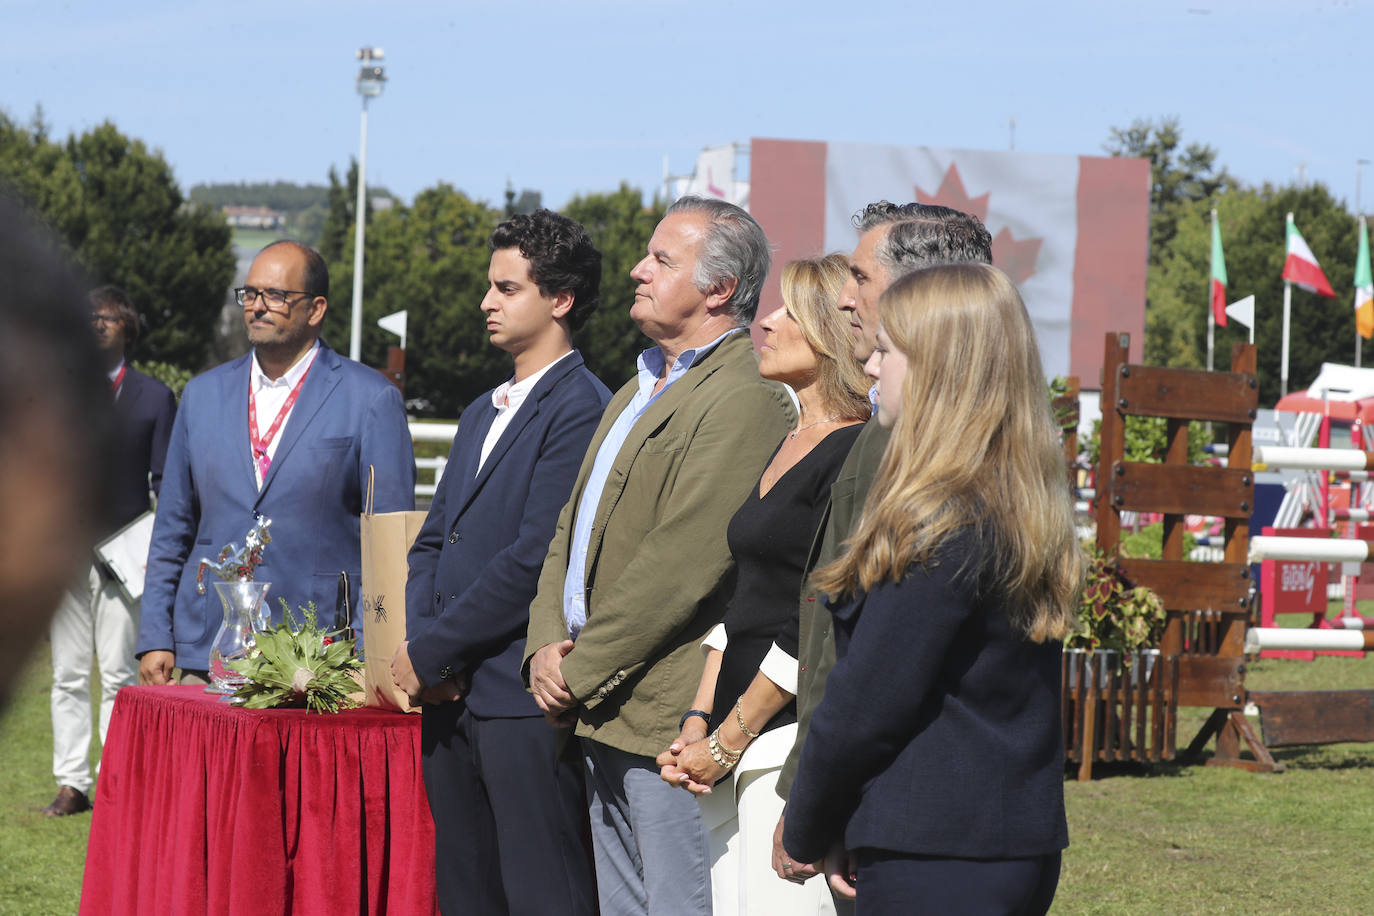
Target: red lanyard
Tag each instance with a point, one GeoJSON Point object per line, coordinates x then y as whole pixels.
{"type": "Point", "coordinates": [260, 443]}
{"type": "Point", "coordinates": [118, 379]}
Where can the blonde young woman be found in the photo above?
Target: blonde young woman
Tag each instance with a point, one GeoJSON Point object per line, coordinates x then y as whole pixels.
{"type": "Point", "coordinates": [936, 757]}
{"type": "Point", "coordinates": [744, 717]}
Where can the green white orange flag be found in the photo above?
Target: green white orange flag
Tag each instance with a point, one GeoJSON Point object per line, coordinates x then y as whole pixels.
{"type": "Point", "coordinates": [1301, 266]}
{"type": "Point", "coordinates": [1218, 275]}
{"type": "Point", "coordinates": [1364, 287]}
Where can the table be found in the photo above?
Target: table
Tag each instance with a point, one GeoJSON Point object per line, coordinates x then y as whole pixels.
{"type": "Point", "coordinates": [202, 808]}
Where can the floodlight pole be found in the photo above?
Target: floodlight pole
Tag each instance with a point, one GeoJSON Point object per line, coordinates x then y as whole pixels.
{"type": "Point", "coordinates": [370, 80]}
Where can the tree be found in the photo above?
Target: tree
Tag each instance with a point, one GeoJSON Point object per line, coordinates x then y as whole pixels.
{"type": "Point", "coordinates": [1252, 227]}
{"type": "Point", "coordinates": [620, 225]}
{"type": "Point", "coordinates": [1177, 177]}
{"type": "Point", "coordinates": [118, 208]}
{"type": "Point", "coordinates": [430, 259]}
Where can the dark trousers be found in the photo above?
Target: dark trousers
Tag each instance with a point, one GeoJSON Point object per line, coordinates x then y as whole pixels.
{"type": "Point", "coordinates": [509, 815]}
{"type": "Point", "coordinates": [894, 882]}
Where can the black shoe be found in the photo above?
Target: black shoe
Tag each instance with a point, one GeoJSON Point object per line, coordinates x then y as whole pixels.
{"type": "Point", "coordinates": [68, 801]}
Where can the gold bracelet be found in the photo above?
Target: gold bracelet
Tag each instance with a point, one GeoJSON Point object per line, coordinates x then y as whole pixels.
{"type": "Point", "coordinates": [721, 754]}
{"type": "Point", "coordinates": [739, 720]}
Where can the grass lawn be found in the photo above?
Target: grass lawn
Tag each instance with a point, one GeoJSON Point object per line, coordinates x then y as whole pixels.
{"type": "Point", "coordinates": [1167, 839]}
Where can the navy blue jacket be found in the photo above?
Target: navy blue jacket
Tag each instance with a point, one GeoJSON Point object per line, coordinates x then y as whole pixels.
{"type": "Point", "coordinates": [145, 410]}
{"type": "Point", "coordinates": [347, 417]}
{"type": "Point", "coordinates": [475, 563]}
{"type": "Point", "coordinates": [939, 732]}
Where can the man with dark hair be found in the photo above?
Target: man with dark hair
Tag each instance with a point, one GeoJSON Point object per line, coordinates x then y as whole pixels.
{"type": "Point", "coordinates": [507, 797]}
{"type": "Point", "coordinates": [58, 424]}
{"type": "Point", "coordinates": [636, 573]}
{"type": "Point", "coordinates": [96, 617]}
{"type": "Point", "coordinates": [289, 432]}
{"type": "Point", "coordinates": [894, 240]}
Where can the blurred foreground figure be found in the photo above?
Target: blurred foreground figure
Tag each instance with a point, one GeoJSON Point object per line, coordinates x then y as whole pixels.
{"type": "Point", "coordinates": [96, 616]}
{"type": "Point", "coordinates": [55, 422]}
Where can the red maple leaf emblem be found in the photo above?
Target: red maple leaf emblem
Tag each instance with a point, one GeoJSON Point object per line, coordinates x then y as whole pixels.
{"type": "Point", "coordinates": [1016, 258]}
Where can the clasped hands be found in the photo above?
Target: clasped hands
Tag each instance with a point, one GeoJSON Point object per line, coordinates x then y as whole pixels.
{"type": "Point", "coordinates": [687, 763]}
{"type": "Point", "coordinates": [550, 691]}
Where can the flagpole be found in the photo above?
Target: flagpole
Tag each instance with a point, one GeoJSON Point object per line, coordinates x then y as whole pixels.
{"type": "Point", "coordinates": [1358, 339]}
{"type": "Point", "coordinates": [1211, 317]}
{"type": "Point", "coordinates": [1283, 360]}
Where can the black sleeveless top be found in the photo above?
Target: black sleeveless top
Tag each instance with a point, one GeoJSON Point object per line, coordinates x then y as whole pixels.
{"type": "Point", "coordinates": [769, 539]}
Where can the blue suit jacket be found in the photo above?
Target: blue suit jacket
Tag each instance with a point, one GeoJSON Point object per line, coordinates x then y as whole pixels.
{"type": "Point", "coordinates": [475, 564]}
{"type": "Point", "coordinates": [145, 409]}
{"type": "Point", "coordinates": [346, 418]}
{"type": "Point", "coordinates": [939, 731]}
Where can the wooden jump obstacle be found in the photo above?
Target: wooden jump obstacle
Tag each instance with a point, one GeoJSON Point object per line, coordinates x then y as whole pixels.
{"type": "Point", "coordinates": [1202, 660]}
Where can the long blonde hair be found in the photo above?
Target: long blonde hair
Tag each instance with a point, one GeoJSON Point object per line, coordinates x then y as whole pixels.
{"type": "Point", "coordinates": [810, 291]}
{"type": "Point", "coordinates": [974, 444]}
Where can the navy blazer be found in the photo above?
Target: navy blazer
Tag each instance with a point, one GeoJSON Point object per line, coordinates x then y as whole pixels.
{"type": "Point", "coordinates": [939, 731]}
{"type": "Point", "coordinates": [346, 418]}
{"type": "Point", "coordinates": [144, 411]}
{"type": "Point", "coordinates": [475, 563]}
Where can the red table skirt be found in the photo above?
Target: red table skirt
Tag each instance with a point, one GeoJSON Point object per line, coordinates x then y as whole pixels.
{"type": "Point", "coordinates": [205, 808]}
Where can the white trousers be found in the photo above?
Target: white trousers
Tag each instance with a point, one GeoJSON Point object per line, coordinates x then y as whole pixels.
{"type": "Point", "coordinates": [742, 878]}
{"type": "Point", "coordinates": [92, 620]}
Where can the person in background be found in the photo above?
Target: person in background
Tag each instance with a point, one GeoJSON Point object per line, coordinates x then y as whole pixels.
{"type": "Point", "coordinates": [508, 803]}
{"type": "Point", "coordinates": [95, 617]}
{"type": "Point", "coordinates": [746, 697]}
{"type": "Point", "coordinates": [936, 754]}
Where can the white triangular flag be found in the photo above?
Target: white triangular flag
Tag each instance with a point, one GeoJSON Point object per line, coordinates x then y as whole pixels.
{"type": "Point", "coordinates": [1243, 310]}
{"type": "Point", "coordinates": [396, 324]}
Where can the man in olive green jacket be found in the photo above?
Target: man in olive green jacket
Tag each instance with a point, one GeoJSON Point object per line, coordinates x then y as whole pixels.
{"type": "Point", "coordinates": [638, 569]}
{"type": "Point", "coordinates": [893, 241]}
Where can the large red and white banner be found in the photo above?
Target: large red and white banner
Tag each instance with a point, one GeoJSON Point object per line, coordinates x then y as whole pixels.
{"type": "Point", "coordinates": [1071, 231]}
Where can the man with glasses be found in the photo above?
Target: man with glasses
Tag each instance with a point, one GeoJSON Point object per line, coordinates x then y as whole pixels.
{"type": "Point", "coordinates": [287, 432]}
{"type": "Point", "coordinates": [96, 618]}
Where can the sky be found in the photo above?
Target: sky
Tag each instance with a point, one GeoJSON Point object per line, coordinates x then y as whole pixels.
{"type": "Point", "coordinates": [575, 98]}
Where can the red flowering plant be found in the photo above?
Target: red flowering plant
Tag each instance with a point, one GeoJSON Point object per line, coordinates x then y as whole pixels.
{"type": "Point", "coordinates": [1114, 612]}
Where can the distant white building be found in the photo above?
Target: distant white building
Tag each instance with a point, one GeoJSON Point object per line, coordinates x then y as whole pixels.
{"type": "Point", "coordinates": [252, 217]}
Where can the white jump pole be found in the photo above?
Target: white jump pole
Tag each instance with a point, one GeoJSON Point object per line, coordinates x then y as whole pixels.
{"type": "Point", "coordinates": [1321, 550]}
{"type": "Point", "coordinates": [1353, 623]}
{"type": "Point", "coordinates": [1311, 459]}
{"type": "Point", "coordinates": [1350, 515]}
{"type": "Point", "coordinates": [1342, 640]}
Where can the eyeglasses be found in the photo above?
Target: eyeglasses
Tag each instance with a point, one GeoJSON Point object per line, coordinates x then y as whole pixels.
{"type": "Point", "coordinates": [98, 320]}
{"type": "Point", "coordinates": [274, 300]}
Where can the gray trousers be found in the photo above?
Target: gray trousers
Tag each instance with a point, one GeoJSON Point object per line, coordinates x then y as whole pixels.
{"type": "Point", "coordinates": [653, 856]}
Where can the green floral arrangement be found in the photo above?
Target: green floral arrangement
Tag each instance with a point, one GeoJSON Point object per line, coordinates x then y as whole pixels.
{"type": "Point", "coordinates": [1114, 612]}
{"type": "Point", "coordinates": [298, 665]}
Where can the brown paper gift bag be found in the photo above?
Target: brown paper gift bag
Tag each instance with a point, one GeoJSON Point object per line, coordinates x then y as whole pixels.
{"type": "Point", "coordinates": [386, 539]}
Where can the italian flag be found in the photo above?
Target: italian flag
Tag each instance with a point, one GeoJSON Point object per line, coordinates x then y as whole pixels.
{"type": "Point", "coordinates": [1218, 275]}
{"type": "Point", "coordinates": [1364, 287]}
{"type": "Point", "coordinates": [1301, 267]}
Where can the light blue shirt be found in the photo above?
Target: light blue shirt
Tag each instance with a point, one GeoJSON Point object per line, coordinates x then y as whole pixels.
{"type": "Point", "coordinates": [650, 364]}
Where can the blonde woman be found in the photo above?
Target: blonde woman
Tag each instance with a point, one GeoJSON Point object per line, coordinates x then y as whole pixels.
{"type": "Point", "coordinates": [744, 718]}
{"type": "Point", "coordinates": [936, 757]}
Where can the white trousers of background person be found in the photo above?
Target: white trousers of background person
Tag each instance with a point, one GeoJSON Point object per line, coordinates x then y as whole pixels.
{"type": "Point", "coordinates": [93, 620]}
{"type": "Point", "coordinates": [740, 815]}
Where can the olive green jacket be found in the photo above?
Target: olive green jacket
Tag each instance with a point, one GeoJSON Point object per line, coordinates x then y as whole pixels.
{"type": "Point", "coordinates": [815, 645]}
{"type": "Point", "coordinates": [658, 567]}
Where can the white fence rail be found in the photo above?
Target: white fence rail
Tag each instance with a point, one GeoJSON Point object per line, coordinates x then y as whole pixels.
{"type": "Point", "coordinates": [431, 432]}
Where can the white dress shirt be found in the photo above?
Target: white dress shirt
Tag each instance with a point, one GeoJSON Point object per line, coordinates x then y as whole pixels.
{"type": "Point", "coordinates": [268, 397]}
{"type": "Point", "coordinates": [507, 398]}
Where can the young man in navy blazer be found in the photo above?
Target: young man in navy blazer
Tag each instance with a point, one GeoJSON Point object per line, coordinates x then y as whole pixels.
{"type": "Point", "coordinates": [95, 618]}
{"type": "Point", "coordinates": [288, 432]}
{"type": "Point", "coordinates": [509, 814]}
